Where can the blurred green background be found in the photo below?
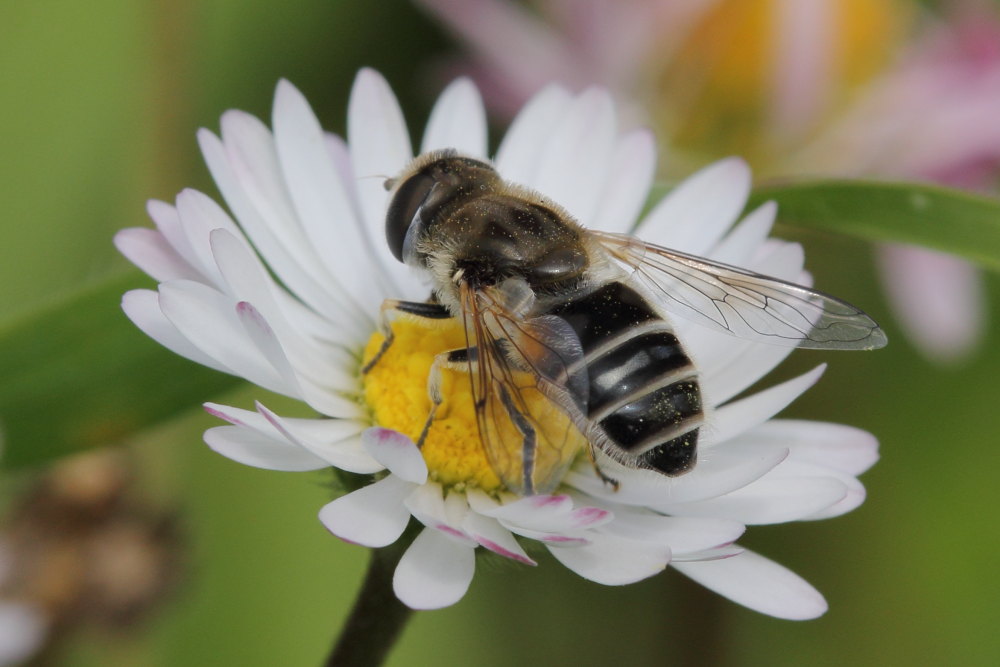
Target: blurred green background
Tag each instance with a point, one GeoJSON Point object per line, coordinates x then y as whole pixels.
{"type": "Point", "coordinates": [101, 103]}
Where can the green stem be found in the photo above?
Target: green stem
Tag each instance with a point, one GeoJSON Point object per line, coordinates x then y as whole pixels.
{"type": "Point", "coordinates": [378, 617]}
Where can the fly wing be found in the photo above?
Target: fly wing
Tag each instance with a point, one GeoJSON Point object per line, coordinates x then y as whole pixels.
{"type": "Point", "coordinates": [743, 303]}
{"type": "Point", "coordinates": [528, 383]}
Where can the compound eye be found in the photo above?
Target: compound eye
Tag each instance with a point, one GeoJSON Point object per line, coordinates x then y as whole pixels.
{"type": "Point", "coordinates": [403, 208]}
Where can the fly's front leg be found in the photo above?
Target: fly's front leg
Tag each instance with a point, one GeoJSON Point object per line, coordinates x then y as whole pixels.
{"type": "Point", "coordinates": [429, 311]}
{"type": "Point", "coordinates": [458, 359]}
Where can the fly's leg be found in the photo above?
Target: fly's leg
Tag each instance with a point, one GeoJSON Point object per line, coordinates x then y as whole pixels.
{"type": "Point", "coordinates": [610, 481]}
{"type": "Point", "coordinates": [529, 443]}
{"type": "Point", "coordinates": [458, 359]}
{"type": "Point", "coordinates": [428, 311]}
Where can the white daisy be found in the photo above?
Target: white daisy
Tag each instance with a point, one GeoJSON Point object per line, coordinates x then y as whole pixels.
{"type": "Point", "coordinates": [287, 296]}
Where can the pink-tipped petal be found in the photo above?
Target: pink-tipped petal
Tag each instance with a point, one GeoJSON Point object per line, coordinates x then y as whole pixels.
{"type": "Point", "coordinates": [490, 534]}
{"type": "Point", "coordinates": [396, 452]}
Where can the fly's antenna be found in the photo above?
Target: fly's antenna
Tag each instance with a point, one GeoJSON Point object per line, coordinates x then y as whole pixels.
{"type": "Point", "coordinates": [388, 182]}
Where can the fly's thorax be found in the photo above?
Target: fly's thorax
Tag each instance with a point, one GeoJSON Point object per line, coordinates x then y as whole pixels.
{"type": "Point", "coordinates": [504, 234]}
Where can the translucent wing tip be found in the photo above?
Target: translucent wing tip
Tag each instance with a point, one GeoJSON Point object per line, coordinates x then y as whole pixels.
{"type": "Point", "coordinates": [877, 339]}
{"type": "Point", "coordinates": [866, 335]}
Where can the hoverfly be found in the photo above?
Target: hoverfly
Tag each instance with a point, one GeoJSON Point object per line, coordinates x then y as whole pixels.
{"type": "Point", "coordinates": [578, 317]}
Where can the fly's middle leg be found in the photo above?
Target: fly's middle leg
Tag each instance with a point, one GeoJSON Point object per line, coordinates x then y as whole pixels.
{"type": "Point", "coordinates": [458, 359]}
{"type": "Point", "coordinates": [610, 481]}
{"type": "Point", "coordinates": [390, 308]}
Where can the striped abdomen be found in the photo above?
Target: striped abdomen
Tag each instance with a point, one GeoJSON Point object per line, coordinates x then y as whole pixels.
{"type": "Point", "coordinates": [643, 392]}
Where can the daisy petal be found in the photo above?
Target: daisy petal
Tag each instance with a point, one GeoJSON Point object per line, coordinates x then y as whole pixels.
{"type": "Point", "coordinates": [380, 148]}
{"type": "Point", "coordinates": [318, 194]}
{"type": "Point", "coordinates": [200, 216]}
{"type": "Point", "coordinates": [335, 441]}
{"type": "Point", "coordinates": [574, 163]}
{"type": "Point", "coordinates": [253, 448]}
{"type": "Point", "coordinates": [630, 177]}
{"type": "Point", "coordinates": [741, 243]}
{"type": "Point", "coordinates": [694, 216]}
{"type": "Point", "coordinates": [781, 259]}
{"type": "Point", "coordinates": [517, 157]}
{"type": "Point", "coordinates": [717, 553]}
{"type": "Point", "coordinates": [490, 534]}
{"type": "Point", "coordinates": [168, 223]}
{"type": "Point", "coordinates": [373, 516]}
{"type": "Point", "coordinates": [542, 512]}
{"type": "Point", "coordinates": [150, 251]}
{"type": "Point", "coordinates": [247, 280]}
{"type": "Point", "coordinates": [345, 454]}
{"type": "Point", "coordinates": [265, 341]}
{"type": "Point", "coordinates": [739, 367]}
{"type": "Point", "coordinates": [853, 496]}
{"type": "Point", "coordinates": [142, 306]}
{"type": "Point", "coordinates": [760, 584]}
{"type": "Point", "coordinates": [434, 572]}
{"type": "Point", "coordinates": [724, 470]}
{"type": "Point", "coordinates": [208, 319]}
{"type": "Point", "coordinates": [681, 534]}
{"type": "Point", "coordinates": [397, 452]}
{"type": "Point", "coordinates": [845, 448]}
{"type": "Point", "coordinates": [735, 418]}
{"type": "Point", "coordinates": [245, 167]}
{"type": "Point", "coordinates": [613, 561]}
{"type": "Point", "coordinates": [457, 121]}
{"type": "Point", "coordinates": [769, 501]}
{"type": "Point", "coordinates": [430, 507]}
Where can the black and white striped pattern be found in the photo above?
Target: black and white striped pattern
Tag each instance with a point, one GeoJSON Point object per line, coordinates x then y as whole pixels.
{"type": "Point", "coordinates": [643, 392]}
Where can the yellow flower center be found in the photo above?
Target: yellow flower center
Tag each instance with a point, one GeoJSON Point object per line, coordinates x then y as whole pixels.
{"type": "Point", "coordinates": [395, 389]}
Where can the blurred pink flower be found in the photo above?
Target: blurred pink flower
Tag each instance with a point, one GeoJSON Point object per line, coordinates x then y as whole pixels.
{"type": "Point", "coordinates": [923, 107]}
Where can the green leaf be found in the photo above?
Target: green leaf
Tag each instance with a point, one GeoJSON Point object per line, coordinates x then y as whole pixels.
{"type": "Point", "coordinates": [940, 218]}
{"type": "Point", "coordinates": [81, 375]}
